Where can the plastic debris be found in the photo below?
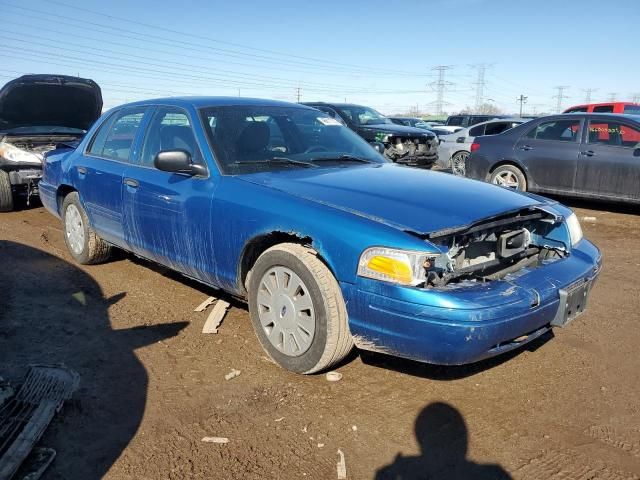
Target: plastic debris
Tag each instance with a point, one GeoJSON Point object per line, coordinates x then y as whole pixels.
{"type": "Point", "coordinates": [354, 428]}
{"type": "Point", "coordinates": [589, 219]}
{"type": "Point", "coordinates": [320, 445]}
{"type": "Point", "coordinates": [334, 376]}
{"type": "Point", "coordinates": [342, 466]}
{"type": "Point", "coordinates": [232, 374]}
{"type": "Point", "coordinates": [215, 317]}
{"type": "Point", "coordinates": [203, 306]}
{"type": "Point", "coordinates": [279, 419]}
{"type": "Point", "coordinates": [215, 439]}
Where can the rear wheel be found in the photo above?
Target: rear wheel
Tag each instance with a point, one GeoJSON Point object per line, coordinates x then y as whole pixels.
{"type": "Point", "coordinates": [509, 176]}
{"type": "Point", "coordinates": [6, 192]}
{"type": "Point", "coordinates": [84, 244]}
{"type": "Point", "coordinates": [297, 309]}
{"type": "Point", "coordinates": [459, 163]}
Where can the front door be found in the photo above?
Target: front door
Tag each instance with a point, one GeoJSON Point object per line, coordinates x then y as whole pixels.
{"type": "Point", "coordinates": [549, 152]}
{"type": "Point", "coordinates": [167, 215]}
{"type": "Point", "coordinates": [609, 162]}
{"type": "Point", "coordinates": [100, 171]}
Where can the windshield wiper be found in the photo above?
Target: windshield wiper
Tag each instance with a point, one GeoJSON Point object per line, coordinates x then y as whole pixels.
{"type": "Point", "coordinates": [343, 158]}
{"type": "Point", "coordinates": [278, 160]}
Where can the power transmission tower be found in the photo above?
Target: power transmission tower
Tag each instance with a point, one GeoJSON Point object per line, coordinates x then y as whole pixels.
{"type": "Point", "coordinates": [635, 97]}
{"type": "Point", "coordinates": [587, 94]}
{"type": "Point", "coordinates": [560, 96]}
{"type": "Point", "coordinates": [480, 83]}
{"type": "Point", "coordinates": [612, 96]}
{"type": "Point", "coordinates": [440, 86]}
{"type": "Point", "coordinates": [522, 99]}
{"type": "Point", "coordinates": [298, 94]}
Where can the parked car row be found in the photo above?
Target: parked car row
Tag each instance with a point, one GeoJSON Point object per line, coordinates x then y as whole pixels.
{"type": "Point", "coordinates": [332, 244]}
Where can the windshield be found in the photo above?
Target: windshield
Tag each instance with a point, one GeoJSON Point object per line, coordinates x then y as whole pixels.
{"type": "Point", "coordinates": [362, 115]}
{"type": "Point", "coordinates": [256, 138]}
{"type": "Point", "coordinates": [44, 130]}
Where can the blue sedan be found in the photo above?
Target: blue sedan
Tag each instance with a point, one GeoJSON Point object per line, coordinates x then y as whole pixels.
{"type": "Point", "coordinates": [330, 244]}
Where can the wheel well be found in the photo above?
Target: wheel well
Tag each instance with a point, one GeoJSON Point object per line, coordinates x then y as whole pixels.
{"type": "Point", "coordinates": [256, 247]}
{"type": "Point", "coordinates": [63, 191]}
{"type": "Point", "coordinates": [507, 162]}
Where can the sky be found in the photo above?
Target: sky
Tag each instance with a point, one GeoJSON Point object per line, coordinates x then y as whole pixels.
{"type": "Point", "coordinates": [377, 53]}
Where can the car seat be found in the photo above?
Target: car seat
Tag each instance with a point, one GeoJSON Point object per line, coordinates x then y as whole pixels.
{"type": "Point", "coordinates": [252, 142]}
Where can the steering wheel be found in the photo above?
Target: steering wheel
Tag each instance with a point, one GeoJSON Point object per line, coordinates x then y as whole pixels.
{"type": "Point", "coordinates": [316, 148]}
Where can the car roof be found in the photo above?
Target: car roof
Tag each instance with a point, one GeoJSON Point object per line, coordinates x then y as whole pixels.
{"type": "Point", "coordinates": [203, 101]}
{"type": "Point", "coordinates": [610, 116]}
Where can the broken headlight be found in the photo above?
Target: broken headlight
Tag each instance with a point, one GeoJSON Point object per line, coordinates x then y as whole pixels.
{"type": "Point", "coordinates": [405, 267]}
{"type": "Point", "coordinates": [15, 154]}
{"type": "Point", "coordinates": [575, 230]}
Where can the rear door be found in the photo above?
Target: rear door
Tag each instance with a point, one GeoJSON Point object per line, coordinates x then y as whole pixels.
{"type": "Point", "coordinates": [168, 215]}
{"type": "Point", "coordinates": [101, 168]}
{"type": "Point", "coordinates": [609, 162]}
{"type": "Point", "coordinates": [549, 152]}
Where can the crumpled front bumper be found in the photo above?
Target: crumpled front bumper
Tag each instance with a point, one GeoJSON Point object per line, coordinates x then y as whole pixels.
{"type": "Point", "coordinates": [466, 323]}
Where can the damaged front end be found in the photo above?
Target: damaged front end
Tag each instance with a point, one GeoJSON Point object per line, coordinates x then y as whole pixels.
{"type": "Point", "coordinates": [412, 150]}
{"type": "Point", "coordinates": [21, 156]}
{"type": "Point", "coordinates": [492, 249]}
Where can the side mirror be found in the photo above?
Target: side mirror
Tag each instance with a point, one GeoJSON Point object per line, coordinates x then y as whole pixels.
{"type": "Point", "coordinates": [460, 139]}
{"type": "Point", "coordinates": [177, 161]}
{"type": "Point", "coordinates": [379, 146]}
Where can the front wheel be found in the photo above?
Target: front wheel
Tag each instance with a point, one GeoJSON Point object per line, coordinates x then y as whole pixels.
{"type": "Point", "coordinates": [297, 309]}
{"type": "Point", "coordinates": [84, 244]}
{"type": "Point", "coordinates": [459, 163]}
{"type": "Point", "coordinates": [509, 176]}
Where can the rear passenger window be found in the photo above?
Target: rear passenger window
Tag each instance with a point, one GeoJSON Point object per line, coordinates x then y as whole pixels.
{"type": "Point", "coordinates": [116, 141]}
{"type": "Point", "coordinates": [613, 133]}
{"type": "Point", "coordinates": [603, 109]}
{"type": "Point", "coordinates": [170, 129]}
{"type": "Point", "coordinates": [477, 131]}
{"type": "Point", "coordinates": [558, 130]}
{"type": "Point", "coordinates": [496, 128]}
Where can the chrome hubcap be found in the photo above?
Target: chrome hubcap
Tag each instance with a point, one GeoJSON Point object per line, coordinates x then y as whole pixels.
{"type": "Point", "coordinates": [458, 163]}
{"type": "Point", "coordinates": [74, 229]}
{"type": "Point", "coordinates": [507, 179]}
{"type": "Point", "coordinates": [286, 311]}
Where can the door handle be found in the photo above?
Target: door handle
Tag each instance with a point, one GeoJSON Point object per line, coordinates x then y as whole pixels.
{"type": "Point", "coordinates": [82, 170]}
{"type": "Point", "coordinates": [130, 182]}
{"type": "Point", "coordinates": [526, 148]}
{"type": "Point", "coordinates": [588, 153]}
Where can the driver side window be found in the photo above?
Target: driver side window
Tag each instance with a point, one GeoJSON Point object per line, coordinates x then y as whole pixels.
{"type": "Point", "coordinates": [169, 130]}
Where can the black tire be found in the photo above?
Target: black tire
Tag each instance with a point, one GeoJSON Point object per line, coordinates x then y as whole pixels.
{"type": "Point", "coordinates": [509, 170]}
{"type": "Point", "coordinates": [332, 340]}
{"type": "Point", "coordinates": [94, 249]}
{"type": "Point", "coordinates": [6, 192]}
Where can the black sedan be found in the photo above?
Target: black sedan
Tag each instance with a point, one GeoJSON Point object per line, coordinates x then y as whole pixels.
{"type": "Point", "coordinates": [587, 155]}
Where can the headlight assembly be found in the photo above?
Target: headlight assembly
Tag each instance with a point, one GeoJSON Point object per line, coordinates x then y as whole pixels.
{"type": "Point", "coordinates": [405, 267]}
{"type": "Point", "coordinates": [575, 230]}
{"type": "Point", "coordinates": [14, 154]}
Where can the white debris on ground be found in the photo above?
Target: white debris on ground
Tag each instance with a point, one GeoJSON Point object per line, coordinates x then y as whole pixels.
{"type": "Point", "coordinates": [232, 374]}
{"type": "Point", "coordinates": [334, 376]}
{"type": "Point", "coordinates": [203, 306]}
{"type": "Point", "coordinates": [215, 317]}
{"type": "Point", "coordinates": [279, 419]}
{"type": "Point", "coordinates": [342, 466]}
{"type": "Point", "coordinates": [589, 219]}
{"type": "Point", "coordinates": [215, 439]}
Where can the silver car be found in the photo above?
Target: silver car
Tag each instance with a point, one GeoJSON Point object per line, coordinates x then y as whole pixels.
{"type": "Point", "coordinates": [456, 147]}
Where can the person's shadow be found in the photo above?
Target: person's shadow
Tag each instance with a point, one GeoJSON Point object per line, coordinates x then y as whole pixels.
{"type": "Point", "coordinates": [52, 312]}
{"type": "Point", "coordinates": [443, 437]}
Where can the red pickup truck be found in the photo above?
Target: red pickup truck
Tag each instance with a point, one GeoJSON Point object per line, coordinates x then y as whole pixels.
{"type": "Point", "coordinates": [610, 107]}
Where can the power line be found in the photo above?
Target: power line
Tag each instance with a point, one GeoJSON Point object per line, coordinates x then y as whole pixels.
{"type": "Point", "coordinates": [587, 94]}
{"type": "Point", "coordinates": [560, 96]}
{"type": "Point", "coordinates": [480, 83]}
{"type": "Point", "coordinates": [613, 96]}
{"type": "Point", "coordinates": [440, 85]}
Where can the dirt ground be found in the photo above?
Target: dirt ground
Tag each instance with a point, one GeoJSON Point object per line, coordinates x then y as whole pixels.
{"type": "Point", "coordinates": [153, 385]}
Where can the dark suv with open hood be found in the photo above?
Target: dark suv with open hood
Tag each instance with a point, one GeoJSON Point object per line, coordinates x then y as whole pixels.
{"type": "Point", "coordinates": [37, 113]}
{"type": "Point", "coordinates": [412, 146]}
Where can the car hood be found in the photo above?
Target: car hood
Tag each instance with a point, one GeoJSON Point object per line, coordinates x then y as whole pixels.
{"type": "Point", "coordinates": [49, 100]}
{"type": "Point", "coordinates": [396, 129]}
{"type": "Point", "coordinates": [406, 198]}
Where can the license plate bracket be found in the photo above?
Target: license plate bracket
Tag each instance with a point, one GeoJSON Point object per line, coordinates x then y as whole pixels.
{"type": "Point", "coordinates": [573, 301]}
